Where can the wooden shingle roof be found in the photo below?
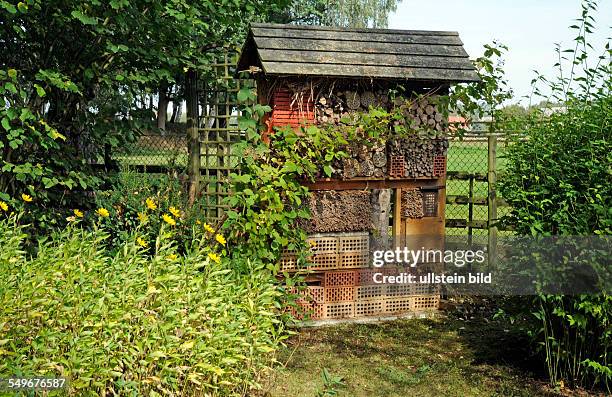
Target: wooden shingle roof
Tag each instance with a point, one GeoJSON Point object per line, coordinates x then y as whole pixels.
{"type": "Point", "coordinates": [285, 50]}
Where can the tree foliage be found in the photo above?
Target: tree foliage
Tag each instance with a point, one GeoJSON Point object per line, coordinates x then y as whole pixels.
{"type": "Point", "coordinates": [70, 71]}
{"type": "Point", "coordinates": [344, 13]}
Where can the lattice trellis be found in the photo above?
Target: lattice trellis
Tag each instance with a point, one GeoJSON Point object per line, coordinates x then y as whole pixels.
{"type": "Point", "coordinates": [219, 132]}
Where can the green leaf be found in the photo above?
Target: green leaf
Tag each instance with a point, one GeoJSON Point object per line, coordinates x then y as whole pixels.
{"type": "Point", "coordinates": [244, 94]}
{"type": "Point", "coordinates": [39, 90]}
{"type": "Point", "coordinates": [85, 20]}
{"type": "Point", "coordinates": [10, 87]}
{"type": "Point", "coordinates": [5, 124]}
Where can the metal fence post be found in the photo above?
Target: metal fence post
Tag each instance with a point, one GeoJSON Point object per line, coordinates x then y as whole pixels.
{"type": "Point", "coordinates": [193, 165]}
{"type": "Point", "coordinates": [492, 196]}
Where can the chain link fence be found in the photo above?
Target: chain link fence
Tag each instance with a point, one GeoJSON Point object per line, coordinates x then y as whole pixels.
{"type": "Point", "coordinates": [467, 186]}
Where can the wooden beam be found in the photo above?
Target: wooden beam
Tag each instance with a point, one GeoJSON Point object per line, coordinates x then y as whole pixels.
{"type": "Point", "coordinates": [365, 47]}
{"type": "Point", "coordinates": [463, 223]}
{"type": "Point", "coordinates": [492, 180]}
{"type": "Point", "coordinates": [397, 214]}
{"type": "Point", "coordinates": [466, 176]}
{"type": "Point", "coordinates": [367, 59]}
{"type": "Point", "coordinates": [356, 184]}
{"type": "Point", "coordinates": [364, 71]}
{"type": "Point", "coordinates": [407, 38]}
{"type": "Point", "coordinates": [193, 135]}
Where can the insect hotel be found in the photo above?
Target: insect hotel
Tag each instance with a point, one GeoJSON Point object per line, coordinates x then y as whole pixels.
{"type": "Point", "coordinates": [323, 76]}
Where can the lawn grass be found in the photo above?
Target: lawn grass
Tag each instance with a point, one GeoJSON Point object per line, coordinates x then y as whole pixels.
{"type": "Point", "coordinates": [415, 357]}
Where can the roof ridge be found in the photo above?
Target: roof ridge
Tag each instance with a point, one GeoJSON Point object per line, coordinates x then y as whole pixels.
{"type": "Point", "coordinates": [357, 30]}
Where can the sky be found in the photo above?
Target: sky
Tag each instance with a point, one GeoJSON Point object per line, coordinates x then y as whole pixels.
{"type": "Point", "coordinates": [530, 28]}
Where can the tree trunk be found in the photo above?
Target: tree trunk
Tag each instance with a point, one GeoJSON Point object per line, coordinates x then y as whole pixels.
{"type": "Point", "coordinates": [162, 107]}
{"type": "Point", "coordinates": [177, 108]}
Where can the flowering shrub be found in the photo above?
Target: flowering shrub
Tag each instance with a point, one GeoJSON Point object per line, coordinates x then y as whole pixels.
{"type": "Point", "coordinates": [146, 320]}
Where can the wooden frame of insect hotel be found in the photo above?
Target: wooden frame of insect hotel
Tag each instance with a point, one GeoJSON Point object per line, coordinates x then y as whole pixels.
{"type": "Point", "coordinates": [396, 188]}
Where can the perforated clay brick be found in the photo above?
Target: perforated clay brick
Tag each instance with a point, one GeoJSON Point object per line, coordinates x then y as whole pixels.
{"type": "Point", "coordinates": [324, 261]}
{"type": "Point", "coordinates": [426, 302]}
{"type": "Point", "coordinates": [353, 259]}
{"type": "Point", "coordinates": [288, 260]}
{"type": "Point", "coordinates": [323, 244]}
{"type": "Point", "coordinates": [339, 294]}
{"type": "Point", "coordinates": [366, 276]}
{"type": "Point", "coordinates": [370, 291]}
{"type": "Point", "coordinates": [339, 310]}
{"type": "Point", "coordinates": [398, 290]}
{"type": "Point", "coordinates": [353, 242]}
{"type": "Point", "coordinates": [439, 168]}
{"type": "Point", "coordinates": [312, 294]}
{"type": "Point", "coordinates": [397, 168]}
{"type": "Point", "coordinates": [369, 308]}
{"type": "Point", "coordinates": [398, 305]}
{"type": "Point", "coordinates": [340, 279]}
{"type": "Point", "coordinates": [425, 289]}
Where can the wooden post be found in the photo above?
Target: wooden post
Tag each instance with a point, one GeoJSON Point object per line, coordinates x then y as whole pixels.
{"type": "Point", "coordinates": [492, 197]}
{"type": "Point", "coordinates": [470, 208]}
{"type": "Point", "coordinates": [193, 135]}
{"type": "Point", "coordinates": [397, 217]}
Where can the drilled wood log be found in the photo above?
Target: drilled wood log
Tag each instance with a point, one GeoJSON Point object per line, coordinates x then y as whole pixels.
{"type": "Point", "coordinates": [379, 158]}
{"type": "Point", "coordinates": [353, 100]}
{"type": "Point", "coordinates": [366, 168]}
{"type": "Point", "coordinates": [367, 99]}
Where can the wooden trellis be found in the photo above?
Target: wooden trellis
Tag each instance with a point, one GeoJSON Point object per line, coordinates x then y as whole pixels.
{"type": "Point", "coordinates": [217, 132]}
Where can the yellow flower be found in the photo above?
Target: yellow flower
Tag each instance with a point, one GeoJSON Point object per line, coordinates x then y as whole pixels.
{"type": "Point", "coordinates": [103, 212]}
{"type": "Point", "coordinates": [151, 204]}
{"type": "Point", "coordinates": [141, 242]}
{"type": "Point", "coordinates": [71, 219]}
{"type": "Point", "coordinates": [214, 257]}
{"type": "Point", "coordinates": [3, 206]}
{"type": "Point", "coordinates": [208, 228]}
{"type": "Point", "coordinates": [198, 222]}
{"type": "Point", "coordinates": [78, 213]}
{"type": "Point", "coordinates": [172, 257]}
{"type": "Point", "coordinates": [220, 239]}
{"type": "Point", "coordinates": [26, 197]}
{"type": "Point", "coordinates": [142, 217]}
{"type": "Point", "coordinates": [169, 220]}
{"type": "Point", "coordinates": [175, 212]}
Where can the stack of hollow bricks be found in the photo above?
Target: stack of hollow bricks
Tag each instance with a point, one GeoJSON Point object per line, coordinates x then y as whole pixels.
{"type": "Point", "coordinates": [345, 286]}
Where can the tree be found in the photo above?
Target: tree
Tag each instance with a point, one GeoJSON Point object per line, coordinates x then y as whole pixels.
{"type": "Point", "coordinates": [344, 13]}
{"type": "Point", "coordinates": [71, 70]}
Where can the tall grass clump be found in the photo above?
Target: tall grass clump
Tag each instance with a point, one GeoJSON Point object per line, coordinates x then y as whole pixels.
{"type": "Point", "coordinates": [558, 181]}
{"type": "Point", "coordinates": [137, 321]}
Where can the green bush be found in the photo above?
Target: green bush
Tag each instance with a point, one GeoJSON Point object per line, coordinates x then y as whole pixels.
{"type": "Point", "coordinates": [558, 181]}
{"type": "Point", "coordinates": [132, 323]}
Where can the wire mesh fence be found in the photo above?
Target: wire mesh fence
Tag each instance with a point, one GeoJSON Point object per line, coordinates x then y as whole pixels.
{"type": "Point", "coordinates": [155, 152]}
{"type": "Point", "coordinates": [467, 186]}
